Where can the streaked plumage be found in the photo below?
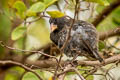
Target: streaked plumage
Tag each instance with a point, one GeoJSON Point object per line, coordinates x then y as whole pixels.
{"type": "Point", "coordinates": [83, 38]}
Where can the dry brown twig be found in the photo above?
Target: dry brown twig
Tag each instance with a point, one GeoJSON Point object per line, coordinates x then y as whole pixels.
{"type": "Point", "coordinates": [46, 63]}
{"type": "Point", "coordinates": [21, 65]}
{"type": "Point", "coordinates": [42, 53]}
{"type": "Point", "coordinates": [50, 63]}
{"type": "Point", "coordinates": [110, 33]}
{"type": "Point", "coordinates": [86, 63]}
{"type": "Point", "coordinates": [69, 68]}
{"type": "Point", "coordinates": [39, 17]}
{"type": "Point", "coordinates": [3, 45]}
{"type": "Point", "coordinates": [112, 46]}
{"type": "Point", "coordinates": [92, 71]}
{"type": "Point", "coordinates": [67, 37]}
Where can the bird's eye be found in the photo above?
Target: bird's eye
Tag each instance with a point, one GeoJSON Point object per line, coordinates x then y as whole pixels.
{"type": "Point", "coordinates": [53, 20]}
{"type": "Point", "coordinates": [50, 21]}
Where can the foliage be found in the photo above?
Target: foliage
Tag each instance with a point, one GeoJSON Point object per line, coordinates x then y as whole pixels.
{"type": "Point", "coordinates": [55, 14]}
{"type": "Point", "coordinates": [24, 25]}
{"type": "Point", "coordinates": [35, 8]}
{"type": "Point", "coordinates": [18, 32]}
{"type": "Point", "coordinates": [20, 7]}
{"type": "Point", "coordinates": [102, 2]}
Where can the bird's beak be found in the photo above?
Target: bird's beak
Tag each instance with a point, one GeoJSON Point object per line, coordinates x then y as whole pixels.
{"type": "Point", "coordinates": [53, 27]}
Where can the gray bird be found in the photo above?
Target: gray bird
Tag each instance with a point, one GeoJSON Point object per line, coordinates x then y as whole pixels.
{"type": "Point", "coordinates": [83, 37]}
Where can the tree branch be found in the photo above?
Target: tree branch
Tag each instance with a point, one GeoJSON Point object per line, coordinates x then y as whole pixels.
{"type": "Point", "coordinates": [42, 53]}
{"type": "Point", "coordinates": [106, 12]}
{"type": "Point", "coordinates": [53, 63]}
{"type": "Point", "coordinates": [21, 65]}
{"type": "Point", "coordinates": [109, 33]}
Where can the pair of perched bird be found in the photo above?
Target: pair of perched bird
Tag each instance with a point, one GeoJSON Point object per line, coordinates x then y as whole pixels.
{"type": "Point", "coordinates": [83, 37]}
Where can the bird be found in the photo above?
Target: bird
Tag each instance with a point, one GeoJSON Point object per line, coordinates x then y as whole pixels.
{"type": "Point", "coordinates": [83, 37]}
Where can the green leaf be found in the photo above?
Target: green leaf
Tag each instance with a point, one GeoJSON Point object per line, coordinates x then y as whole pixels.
{"type": "Point", "coordinates": [14, 73]}
{"type": "Point", "coordinates": [35, 8]}
{"type": "Point", "coordinates": [32, 76]}
{"type": "Point", "coordinates": [21, 8]}
{"type": "Point", "coordinates": [90, 77]}
{"type": "Point", "coordinates": [18, 32]}
{"type": "Point", "coordinates": [20, 44]}
{"type": "Point", "coordinates": [101, 45]}
{"type": "Point", "coordinates": [49, 2]}
{"type": "Point", "coordinates": [101, 2]}
{"type": "Point", "coordinates": [30, 13]}
{"type": "Point", "coordinates": [10, 76]}
{"type": "Point", "coordinates": [55, 14]}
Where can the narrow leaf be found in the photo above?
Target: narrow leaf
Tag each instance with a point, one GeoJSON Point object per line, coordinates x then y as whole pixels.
{"type": "Point", "coordinates": [101, 2]}
{"type": "Point", "coordinates": [55, 14]}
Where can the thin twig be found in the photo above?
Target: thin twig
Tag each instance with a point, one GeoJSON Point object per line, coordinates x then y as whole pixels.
{"type": "Point", "coordinates": [55, 74]}
{"type": "Point", "coordinates": [91, 72]}
{"type": "Point", "coordinates": [72, 69]}
{"type": "Point", "coordinates": [113, 45]}
{"type": "Point", "coordinates": [21, 65]}
{"type": "Point", "coordinates": [37, 19]}
{"type": "Point", "coordinates": [52, 63]}
{"type": "Point", "coordinates": [12, 48]}
{"type": "Point", "coordinates": [110, 33]}
{"type": "Point", "coordinates": [69, 32]}
{"type": "Point", "coordinates": [67, 39]}
{"type": "Point", "coordinates": [78, 73]}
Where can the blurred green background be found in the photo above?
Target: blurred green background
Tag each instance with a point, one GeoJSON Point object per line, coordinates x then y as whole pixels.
{"type": "Point", "coordinates": [36, 35]}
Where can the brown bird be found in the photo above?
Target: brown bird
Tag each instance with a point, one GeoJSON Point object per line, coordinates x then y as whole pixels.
{"type": "Point", "coordinates": [83, 37]}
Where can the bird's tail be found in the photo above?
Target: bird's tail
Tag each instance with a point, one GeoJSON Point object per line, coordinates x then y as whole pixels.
{"type": "Point", "coordinates": [97, 56]}
{"type": "Point", "coordinates": [93, 51]}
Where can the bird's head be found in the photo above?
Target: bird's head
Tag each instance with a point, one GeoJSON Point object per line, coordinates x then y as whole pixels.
{"type": "Point", "coordinates": [57, 23]}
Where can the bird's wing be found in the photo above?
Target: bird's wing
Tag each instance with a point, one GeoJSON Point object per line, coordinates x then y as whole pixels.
{"type": "Point", "coordinates": [92, 51]}
{"type": "Point", "coordinates": [88, 38]}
